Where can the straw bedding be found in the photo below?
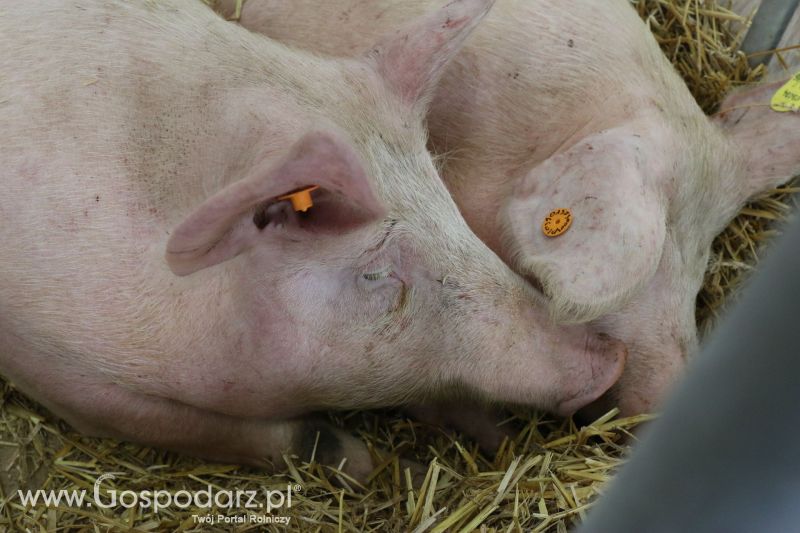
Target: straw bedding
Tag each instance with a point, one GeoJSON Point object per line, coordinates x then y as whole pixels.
{"type": "Point", "coordinates": [543, 480]}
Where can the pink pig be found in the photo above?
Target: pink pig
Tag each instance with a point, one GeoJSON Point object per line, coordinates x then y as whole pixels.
{"type": "Point", "coordinates": [155, 288]}
{"type": "Point", "coordinates": [571, 105]}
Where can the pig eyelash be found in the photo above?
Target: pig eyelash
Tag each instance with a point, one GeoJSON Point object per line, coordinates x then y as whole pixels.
{"type": "Point", "coordinates": [380, 274]}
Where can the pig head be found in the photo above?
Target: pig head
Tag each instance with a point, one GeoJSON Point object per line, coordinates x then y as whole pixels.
{"type": "Point", "coordinates": [648, 195]}
{"type": "Point", "coordinates": [572, 105]}
{"type": "Point", "coordinates": [156, 284]}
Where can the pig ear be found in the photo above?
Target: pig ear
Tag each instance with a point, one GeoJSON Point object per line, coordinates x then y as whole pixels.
{"type": "Point", "coordinates": [769, 140]}
{"type": "Point", "coordinates": [412, 60]}
{"type": "Point", "coordinates": [234, 219]}
{"type": "Point", "coordinates": [586, 227]}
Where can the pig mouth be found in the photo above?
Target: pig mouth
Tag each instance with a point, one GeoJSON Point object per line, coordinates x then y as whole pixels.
{"type": "Point", "coordinates": [599, 407]}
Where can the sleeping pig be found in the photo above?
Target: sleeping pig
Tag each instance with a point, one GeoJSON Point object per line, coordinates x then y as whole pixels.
{"type": "Point", "coordinates": [570, 109]}
{"type": "Point", "coordinates": [158, 284]}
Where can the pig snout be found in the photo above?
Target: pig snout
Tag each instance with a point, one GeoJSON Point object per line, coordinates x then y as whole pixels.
{"type": "Point", "coordinates": [643, 387]}
{"type": "Point", "coordinates": [533, 361]}
{"type": "Point", "coordinates": [603, 364]}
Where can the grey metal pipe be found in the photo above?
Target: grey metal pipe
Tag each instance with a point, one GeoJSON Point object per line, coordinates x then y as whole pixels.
{"type": "Point", "coordinates": [769, 24]}
{"type": "Point", "coordinates": [725, 455]}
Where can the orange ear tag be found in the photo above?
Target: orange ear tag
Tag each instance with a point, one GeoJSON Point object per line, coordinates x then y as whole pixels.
{"type": "Point", "coordinates": [301, 199]}
{"type": "Point", "coordinates": [557, 222]}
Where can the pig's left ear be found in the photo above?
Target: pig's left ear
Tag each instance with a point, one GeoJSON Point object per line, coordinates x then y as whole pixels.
{"type": "Point", "coordinates": [769, 140]}
{"type": "Point", "coordinates": [234, 219]}
{"type": "Point", "coordinates": [587, 226]}
{"type": "Point", "coordinates": [412, 59]}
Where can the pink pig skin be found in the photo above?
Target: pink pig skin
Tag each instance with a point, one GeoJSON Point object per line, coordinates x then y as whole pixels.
{"type": "Point", "coordinates": [153, 289]}
{"type": "Point", "coordinates": [554, 104]}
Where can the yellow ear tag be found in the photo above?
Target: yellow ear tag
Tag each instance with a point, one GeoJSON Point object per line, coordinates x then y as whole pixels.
{"type": "Point", "coordinates": [301, 200]}
{"type": "Point", "coordinates": [557, 222]}
{"type": "Point", "coordinates": [788, 97]}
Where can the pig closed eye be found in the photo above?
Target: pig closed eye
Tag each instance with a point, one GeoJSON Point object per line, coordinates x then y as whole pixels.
{"type": "Point", "coordinates": [384, 290]}
{"type": "Point", "coordinates": [378, 275]}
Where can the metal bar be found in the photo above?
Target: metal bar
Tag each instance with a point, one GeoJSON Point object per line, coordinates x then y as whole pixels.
{"type": "Point", "coordinates": [724, 455]}
{"type": "Point", "coordinates": [768, 26]}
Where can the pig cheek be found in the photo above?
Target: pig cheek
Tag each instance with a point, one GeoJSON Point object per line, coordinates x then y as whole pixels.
{"type": "Point", "coordinates": [270, 329]}
{"type": "Point", "coordinates": [316, 302]}
{"type": "Point", "coordinates": [333, 306]}
{"type": "Point", "coordinates": [285, 316]}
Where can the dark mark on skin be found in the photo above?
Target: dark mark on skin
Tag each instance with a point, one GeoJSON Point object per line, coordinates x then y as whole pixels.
{"type": "Point", "coordinates": [318, 438]}
{"type": "Point", "coordinates": [736, 123]}
{"type": "Point", "coordinates": [402, 299]}
{"type": "Point", "coordinates": [260, 219]}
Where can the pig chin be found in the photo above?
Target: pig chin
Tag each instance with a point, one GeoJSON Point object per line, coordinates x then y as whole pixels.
{"type": "Point", "coordinates": [641, 389]}
{"type": "Point", "coordinates": [597, 408]}
{"type": "Point", "coordinates": [629, 404]}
